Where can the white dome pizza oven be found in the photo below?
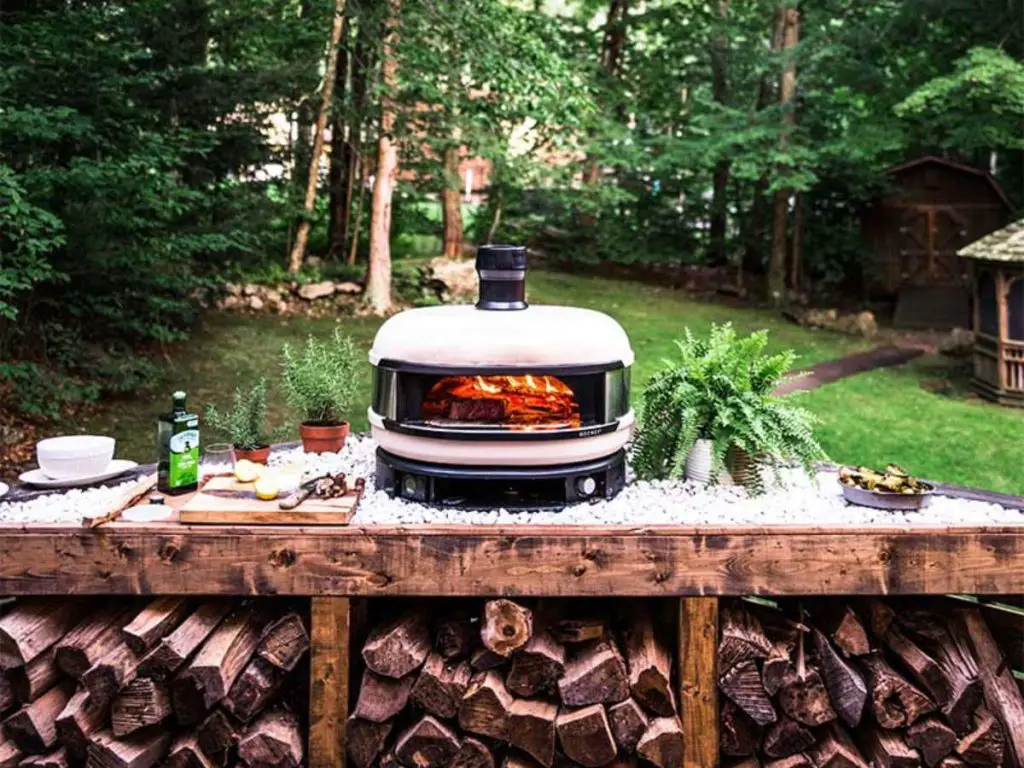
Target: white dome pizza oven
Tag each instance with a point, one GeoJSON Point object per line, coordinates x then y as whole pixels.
{"type": "Point", "coordinates": [502, 403]}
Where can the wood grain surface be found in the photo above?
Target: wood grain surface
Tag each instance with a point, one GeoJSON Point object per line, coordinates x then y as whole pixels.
{"type": "Point", "coordinates": [328, 680]}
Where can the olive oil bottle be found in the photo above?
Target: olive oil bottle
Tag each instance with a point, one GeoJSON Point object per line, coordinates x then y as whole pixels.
{"type": "Point", "coordinates": [178, 445]}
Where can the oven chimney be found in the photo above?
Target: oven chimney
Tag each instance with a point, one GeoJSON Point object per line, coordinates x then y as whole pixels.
{"type": "Point", "coordinates": [502, 270]}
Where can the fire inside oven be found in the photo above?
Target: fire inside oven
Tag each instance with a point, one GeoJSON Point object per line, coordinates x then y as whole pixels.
{"type": "Point", "coordinates": [526, 402]}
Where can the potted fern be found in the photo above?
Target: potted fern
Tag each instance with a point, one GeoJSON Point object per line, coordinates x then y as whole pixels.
{"type": "Point", "coordinates": [319, 382]}
{"type": "Point", "coordinates": [712, 410]}
{"type": "Point", "coordinates": [244, 423]}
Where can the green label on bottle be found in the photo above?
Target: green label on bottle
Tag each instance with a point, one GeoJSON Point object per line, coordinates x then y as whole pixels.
{"type": "Point", "coordinates": [184, 459]}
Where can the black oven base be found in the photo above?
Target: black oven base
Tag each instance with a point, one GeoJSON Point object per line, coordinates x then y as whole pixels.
{"type": "Point", "coordinates": [511, 488]}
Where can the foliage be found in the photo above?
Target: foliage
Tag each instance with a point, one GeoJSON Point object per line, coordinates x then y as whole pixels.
{"type": "Point", "coordinates": [320, 379]}
{"type": "Point", "coordinates": [720, 389]}
{"type": "Point", "coordinates": [245, 423]}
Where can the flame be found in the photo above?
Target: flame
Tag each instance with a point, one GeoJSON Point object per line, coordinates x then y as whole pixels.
{"type": "Point", "coordinates": [523, 402]}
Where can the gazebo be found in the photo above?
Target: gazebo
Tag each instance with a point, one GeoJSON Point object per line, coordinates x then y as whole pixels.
{"type": "Point", "coordinates": [997, 287]}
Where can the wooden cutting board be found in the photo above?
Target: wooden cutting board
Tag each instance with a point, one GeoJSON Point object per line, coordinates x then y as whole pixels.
{"type": "Point", "coordinates": [225, 501]}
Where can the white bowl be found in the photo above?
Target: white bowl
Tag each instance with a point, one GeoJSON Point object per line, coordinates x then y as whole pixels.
{"type": "Point", "coordinates": [64, 458]}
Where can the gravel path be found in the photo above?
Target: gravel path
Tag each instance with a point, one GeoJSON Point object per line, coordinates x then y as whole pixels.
{"type": "Point", "coordinates": [799, 502]}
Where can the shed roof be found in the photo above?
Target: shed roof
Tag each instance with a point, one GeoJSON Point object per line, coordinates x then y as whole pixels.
{"type": "Point", "coordinates": [1006, 244]}
{"type": "Point", "coordinates": [953, 165]}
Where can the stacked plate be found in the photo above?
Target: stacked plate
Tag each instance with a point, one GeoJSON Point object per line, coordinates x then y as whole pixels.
{"type": "Point", "coordinates": [75, 460]}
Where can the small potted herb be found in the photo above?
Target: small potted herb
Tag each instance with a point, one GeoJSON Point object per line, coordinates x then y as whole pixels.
{"type": "Point", "coordinates": [713, 410]}
{"type": "Point", "coordinates": [319, 382]}
{"type": "Point", "coordinates": [244, 424]}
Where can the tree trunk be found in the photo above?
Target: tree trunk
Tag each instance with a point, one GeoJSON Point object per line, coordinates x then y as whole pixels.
{"type": "Point", "coordinates": [780, 201]}
{"type": "Point", "coordinates": [613, 46]}
{"type": "Point", "coordinates": [378, 278]}
{"type": "Point", "coordinates": [302, 234]}
{"type": "Point", "coordinates": [720, 93]}
{"type": "Point", "coordinates": [361, 65]}
{"type": "Point", "coordinates": [452, 210]}
{"type": "Point", "coordinates": [341, 164]}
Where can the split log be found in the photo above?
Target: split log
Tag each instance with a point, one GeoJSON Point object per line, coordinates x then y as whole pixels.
{"type": "Point", "coordinates": [209, 676]}
{"type": "Point", "coordinates": [92, 639]}
{"type": "Point", "coordinates": [30, 682]}
{"type": "Point", "coordinates": [793, 761]}
{"type": "Point", "coordinates": [952, 762]}
{"type": "Point", "coordinates": [32, 728]}
{"type": "Point", "coordinates": [56, 759]}
{"type": "Point", "coordinates": [364, 740]}
{"type": "Point", "coordinates": [585, 736]}
{"type": "Point", "coordinates": [1002, 696]}
{"type": "Point", "coordinates": [218, 734]}
{"type": "Point", "coordinates": [743, 637]}
{"type": "Point", "coordinates": [985, 746]}
{"type": "Point", "coordinates": [777, 666]}
{"type": "Point", "coordinates": [951, 648]}
{"type": "Point", "coordinates": [881, 616]}
{"type": "Point", "coordinates": [628, 723]}
{"type": "Point", "coordinates": [744, 762]}
{"type": "Point", "coordinates": [742, 684]}
{"type": "Point", "coordinates": [922, 667]}
{"type": "Point", "coordinates": [10, 755]}
{"type": "Point", "coordinates": [115, 669]}
{"type": "Point", "coordinates": [650, 666]}
{"type": "Point", "coordinates": [887, 749]}
{"type": "Point", "coordinates": [175, 649]}
{"type": "Point", "coordinates": [440, 686]}
{"type": "Point", "coordinates": [518, 761]}
{"type": "Point", "coordinates": [33, 626]}
{"type": "Point", "coordinates": [473, 754]}
{"type": "Point", "coordinates": [787, 737]}
{"type": "Point", "coordinates": [457, 637]}
{"type": "Point", "coordinates": [381, 698]}
{"type": "Point", "coordinates": [805, 698]}
{"type": "Point", "coordinates": [596, 674]}
{"type": "Point", "coordinates": [78, 721]}
{"type": "Point", "coordinates": [846, 688]}
{"type": "Point", "coordinates": [843, 627]}
{"type": "Point", "coordinates": [537, 668]}
{"type": "Point", "coordinates": [932, 738]}
{"type": "Point", "coordinates": [894, 700]}
{"type": "Point", "coordinates": [6, 694]}
{"type": "Point", "coordinates": [141, 703]}
{"type": "Point", "coordinates": [531, 728]}
{"type": "Point", "coordinates": [143, 749]}
{"type": "Point", "coordinates": [835, 750]}
{"type": "Point", "coordinates": [427, 743]}
{"type": "Point", "coordinates": [507, 627]}
{"type": "Point", "coordinates": [272, 741]}
{"type": "Point", "coordinates": [397, 648]}
{"type": "Point", "coordinates": [485, 707]}
{"type": "Point", "coordinates": [285, 642]}
{"type": "Point", "coordinates": [154, 622]}
{"type": "Point", "coordinates": [578, 630]}
{"type": "Point", "coordinates": [253, 689]}
{"type": "Point", "coordinates": [186, 752]}
{"type": "Point", "coordinates": [484, 659]}
{"type": "Point", "coordinates": [662, 743]}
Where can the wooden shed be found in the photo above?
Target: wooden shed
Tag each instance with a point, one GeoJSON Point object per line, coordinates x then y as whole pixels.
{"type": "Point", "coordinates": [936, 208]}
{"type": "Point", "coordinates": [997, 283]}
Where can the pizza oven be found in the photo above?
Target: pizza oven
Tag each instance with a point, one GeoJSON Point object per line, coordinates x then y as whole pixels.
{"type": "Point", "coordinates": [501, 403]}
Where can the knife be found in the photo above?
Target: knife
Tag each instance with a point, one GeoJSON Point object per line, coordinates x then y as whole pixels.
{"type": "Point", "coordinates": [299, 495]}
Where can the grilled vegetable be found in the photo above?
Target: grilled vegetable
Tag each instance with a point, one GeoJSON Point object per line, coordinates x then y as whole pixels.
{"type": "Point", "coordinates": [893, 480]}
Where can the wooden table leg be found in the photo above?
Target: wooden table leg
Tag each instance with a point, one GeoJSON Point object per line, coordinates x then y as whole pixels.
{"type": "Point", "coordinates": [698, 680]}
{"type": "Point", "coordinates": [328, 681]}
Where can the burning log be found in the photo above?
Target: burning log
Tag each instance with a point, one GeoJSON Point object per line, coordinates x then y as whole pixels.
{"type": "Point", "coordinates": [586, 737]}
{"type": "Point", "coordinates": [531, 728]}
{"type": "Point", "coordinates": [381, 698]}
{"type": "Point", "coordinates": [441, 686]}
{"type": "Point", "coordinates": [398, 648]}
{"type": "Point", "coordinates": [33, 727]}
{"type": "Point", "coordinates": [34, 626]}
{"type": "Point", "coordinates": [427, 744]}
{"type": "Point", "coordinates": [507, 627]}
{"type": "Point", "coordinates": [174, 649]}
{"type": "Point", "coordinates": [537, 668]}
{"type": "Point", "coordinates": [273, 739]}
{"type": "Point", "coordinates": [595, 674]}
{"type": "Point", "coordinates": [154, 622]}
{"type": "Point", "coordinates": [628, 723]}
{"type": "Point", "coordinates": [141, 703]}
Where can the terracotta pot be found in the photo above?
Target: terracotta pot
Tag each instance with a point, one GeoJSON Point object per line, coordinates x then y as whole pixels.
{"type": "Point", "coordinates": [256, 455]}
{"type": "Point", "coordinates": [323, 438]}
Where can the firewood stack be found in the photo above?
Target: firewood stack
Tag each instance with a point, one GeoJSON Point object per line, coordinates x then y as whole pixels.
{"type": "Point", "coordinates": [877, 684]}
{"type": "Point", "coordinates": [171, 681]}
{"type": "Point", "coordinates": [512, 686]}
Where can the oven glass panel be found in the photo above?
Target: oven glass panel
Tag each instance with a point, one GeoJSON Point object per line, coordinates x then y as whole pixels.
{"type": "Point", "coordinates": [527, 401]}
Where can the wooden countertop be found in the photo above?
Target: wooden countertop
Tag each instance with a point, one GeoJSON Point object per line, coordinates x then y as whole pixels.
{"type": "Point", "coordinates": [126, 558]}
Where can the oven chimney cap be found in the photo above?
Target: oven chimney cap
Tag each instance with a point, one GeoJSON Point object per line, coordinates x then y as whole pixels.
{"type": "Point", "coordinates": [502, 270]}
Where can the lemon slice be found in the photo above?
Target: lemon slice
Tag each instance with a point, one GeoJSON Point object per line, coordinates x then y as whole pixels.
{"type": "Point", "coordinates": [246, 471]}
{"type": "Point", "coordinates": [267, 488]}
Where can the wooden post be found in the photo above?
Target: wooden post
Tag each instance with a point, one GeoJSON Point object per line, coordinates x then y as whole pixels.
{"type": "Point", "coordinates": [328, 680]}
{"type": "Point", "coordinates": [698, 677]}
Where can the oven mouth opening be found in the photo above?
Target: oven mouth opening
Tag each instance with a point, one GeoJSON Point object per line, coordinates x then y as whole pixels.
{"type": "Point", "coordinates": [517, 403]}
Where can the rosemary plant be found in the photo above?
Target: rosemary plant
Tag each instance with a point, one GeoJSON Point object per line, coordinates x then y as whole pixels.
{"type": "Point", "coordinates": [244, 424]}
{"type": "Point", "coordinates": [320, 379]}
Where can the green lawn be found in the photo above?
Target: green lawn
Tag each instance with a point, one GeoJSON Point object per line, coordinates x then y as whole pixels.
{"type": "Point", "coordinates": [873, 418]}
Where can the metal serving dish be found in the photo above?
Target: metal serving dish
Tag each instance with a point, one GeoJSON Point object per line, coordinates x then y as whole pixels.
{"type": "Point", "coordinates": [887, 499]}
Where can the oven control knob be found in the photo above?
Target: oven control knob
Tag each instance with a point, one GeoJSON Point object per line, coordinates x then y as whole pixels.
{"type": "Point", "coordinates": [585, 486]}
{"type": "Point", "coordinates": [409, 486]}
